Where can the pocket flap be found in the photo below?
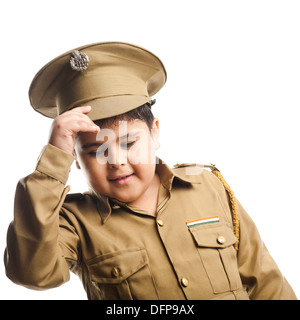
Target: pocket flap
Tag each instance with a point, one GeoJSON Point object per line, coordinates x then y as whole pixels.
{"type": "Point", "coordinates": [117, 266]}
{"type": "Point", "coordinates": [214, 236]}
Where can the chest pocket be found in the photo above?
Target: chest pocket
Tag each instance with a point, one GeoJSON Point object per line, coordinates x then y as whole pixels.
{"type": "Point", "coordinates": [215, 247]}
{"type": "Point", "coordinates": [123, 275]}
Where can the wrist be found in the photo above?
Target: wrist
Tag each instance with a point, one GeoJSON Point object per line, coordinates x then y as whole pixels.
{"type": "Point", "coordinates": [55, 163]}
{"type": "Point", "coordinates": [62, 145]}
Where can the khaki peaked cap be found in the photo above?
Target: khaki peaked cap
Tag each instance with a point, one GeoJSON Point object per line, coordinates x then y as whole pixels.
{"type": "Point", "coordinates": [111, 77]}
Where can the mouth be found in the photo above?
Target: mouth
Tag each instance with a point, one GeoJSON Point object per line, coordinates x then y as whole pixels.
{"type": "Point", "coordinates": [121, 180]}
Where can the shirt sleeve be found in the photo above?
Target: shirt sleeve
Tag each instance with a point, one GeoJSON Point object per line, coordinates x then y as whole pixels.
{"type": "Point", "coordinates": [259, 273]}
{"type": "Point", "coordinates": [34, 256]}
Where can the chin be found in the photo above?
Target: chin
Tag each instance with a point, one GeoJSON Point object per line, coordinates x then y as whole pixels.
{"type": "Point", "coordinates": [122, 198]}
{"type": "Point", "coordinates": [127, 196]}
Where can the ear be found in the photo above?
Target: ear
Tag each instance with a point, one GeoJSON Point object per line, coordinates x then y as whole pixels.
{"type": "Point", "coordinates": [77, 164]}
{"type": "Point", "coordinates": [155, 133]}
{"type": "Point", "coordinates": [76, 160]}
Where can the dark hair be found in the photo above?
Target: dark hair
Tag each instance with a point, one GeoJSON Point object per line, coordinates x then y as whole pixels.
{"type": "Point", "coordinates": [143, 113]}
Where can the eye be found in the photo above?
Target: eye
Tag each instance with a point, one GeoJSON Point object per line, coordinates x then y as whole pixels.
{"type": "Point", "coordinates": [98, 153]}
{"type": "Point", "coordinates": [127, 145]}
{"type": "Point", "coordinates": [92, 153]}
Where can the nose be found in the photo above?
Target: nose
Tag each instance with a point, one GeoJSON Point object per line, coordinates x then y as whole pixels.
{"type": "Point", "coordinates": [116, 165]}
{"type": "Point", "coordinates": [117, 159]}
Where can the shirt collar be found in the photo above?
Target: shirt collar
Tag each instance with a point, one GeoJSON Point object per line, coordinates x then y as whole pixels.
{"type": "Point", "coordinates": [169, 177]}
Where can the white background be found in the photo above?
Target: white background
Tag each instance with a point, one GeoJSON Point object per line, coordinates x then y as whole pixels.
{"type": "Point", "coordinates": [231, 98]}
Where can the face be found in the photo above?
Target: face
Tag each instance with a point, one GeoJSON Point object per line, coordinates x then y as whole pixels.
{"type": "Point", "coordinates": [119, 161]}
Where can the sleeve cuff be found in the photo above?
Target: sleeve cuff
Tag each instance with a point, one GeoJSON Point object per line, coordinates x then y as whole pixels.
{"type": "Point", "coordinates": [55, 163]}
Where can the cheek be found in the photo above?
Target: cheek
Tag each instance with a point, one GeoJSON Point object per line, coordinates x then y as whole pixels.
{"type": "Point", "coordinates": [144, 172]}
{"type": "Point", "coordinates": [91, 168]}
{"type": "Point", "coordinates": [143, 152]}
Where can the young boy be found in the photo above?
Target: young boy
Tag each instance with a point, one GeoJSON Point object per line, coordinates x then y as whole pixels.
{"type": "Point", "coordinates": [144, 230]}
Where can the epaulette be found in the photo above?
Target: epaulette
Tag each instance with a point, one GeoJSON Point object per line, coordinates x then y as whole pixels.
{"type": "Point", "coordinates": [73, 197]}
{"type": "Point", "coordinates": [233, 204]}
{"type": "Point", "coordinates": [183, 165]}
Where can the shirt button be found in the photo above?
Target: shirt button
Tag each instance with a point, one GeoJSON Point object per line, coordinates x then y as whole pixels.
{"type": "Point", "coordinates": [160, 222]}
{"type": "Point", "coordinates": [115, 271]}
{"type": "Point", "coordinates": [115, 206]}
{"type": "Point", "coordinates": [184, 282]}
{"type": "Point", "coordinates": [221, 239]}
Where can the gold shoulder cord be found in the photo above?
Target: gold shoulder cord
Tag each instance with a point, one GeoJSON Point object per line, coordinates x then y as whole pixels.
{"type": "Point", "coordinates": [234, 211]}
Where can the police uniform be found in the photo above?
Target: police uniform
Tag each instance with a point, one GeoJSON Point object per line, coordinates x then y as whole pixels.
{"type": "Point", "coordinates": [200, 245]}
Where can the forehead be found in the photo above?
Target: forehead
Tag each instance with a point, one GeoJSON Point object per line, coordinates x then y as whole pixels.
{"type": "Point", "coordinates": [114, 130]}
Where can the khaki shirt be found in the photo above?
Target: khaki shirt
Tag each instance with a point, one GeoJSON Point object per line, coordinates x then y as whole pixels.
{"type": "Point", "coordinates": [121, 252]}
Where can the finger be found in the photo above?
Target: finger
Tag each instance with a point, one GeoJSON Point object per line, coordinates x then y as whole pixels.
{"type": "Point", "coordinates": [86, 125]}
{"type": "Point", "coordinates": [91, 124]}
{"type": "Point", "coordinates": [82, 109]}
{"type": "Point", "coordinates": [95, 128]}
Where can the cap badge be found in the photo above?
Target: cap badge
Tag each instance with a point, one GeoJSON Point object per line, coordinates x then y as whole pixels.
{"type": "Point", "coordinates": [79, 61]}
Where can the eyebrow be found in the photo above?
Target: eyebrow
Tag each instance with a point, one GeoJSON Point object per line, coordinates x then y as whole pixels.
{"type": "Point", "coordinates": [134, 134]}
{"type": "Point", "coordinates": [98, 144]}
{"type": "Point", "coordinates": [93, 144]}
